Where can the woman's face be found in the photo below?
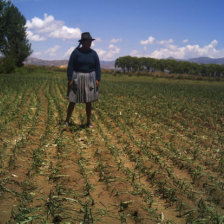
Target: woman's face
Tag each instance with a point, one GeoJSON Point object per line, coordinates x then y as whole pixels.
{"type": "Point", "coordinates": [86, 44]}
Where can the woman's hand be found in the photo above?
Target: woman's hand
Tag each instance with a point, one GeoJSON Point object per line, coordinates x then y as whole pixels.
{"type": "Point", "coordinates": [97, 83]}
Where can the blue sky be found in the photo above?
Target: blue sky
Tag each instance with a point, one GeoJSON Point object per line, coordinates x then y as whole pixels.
{"type": "Point", "coordinates": [143, 28]}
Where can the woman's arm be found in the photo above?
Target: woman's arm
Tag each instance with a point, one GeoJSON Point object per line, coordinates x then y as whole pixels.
{"type": "Point", "coordinates": [70, 68]}
{"type": "Point", "coordinates": [98, 70]}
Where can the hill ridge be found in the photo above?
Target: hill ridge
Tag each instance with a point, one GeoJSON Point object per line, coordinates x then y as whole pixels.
{"type": "Point", "coordinates": [58, 63]}
{"type": "Point", "coordinates": [110, 64]}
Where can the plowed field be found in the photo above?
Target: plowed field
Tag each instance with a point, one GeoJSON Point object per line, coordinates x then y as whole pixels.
{"type": "Point", "coordinates": [155, 153]}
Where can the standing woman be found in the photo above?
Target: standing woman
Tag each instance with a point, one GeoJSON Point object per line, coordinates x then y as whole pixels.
{"type": "Point", "coordinates": [83, 77]}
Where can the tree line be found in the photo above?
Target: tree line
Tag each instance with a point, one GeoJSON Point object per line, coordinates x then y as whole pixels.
{"type": "Point", "coordinates": [143, 64]}
{"type": "Point", "coordinates": [14, 45]}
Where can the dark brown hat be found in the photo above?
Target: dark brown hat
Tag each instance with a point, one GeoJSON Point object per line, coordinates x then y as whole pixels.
{"type": "Point", "coordinates": [86, 36]}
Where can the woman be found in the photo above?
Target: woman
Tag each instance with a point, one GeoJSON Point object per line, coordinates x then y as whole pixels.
{"type": "Point", "coordinates": [83, 77]}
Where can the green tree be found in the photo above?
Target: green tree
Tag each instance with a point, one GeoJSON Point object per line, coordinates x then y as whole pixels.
{"type": "Point", "coordinates": [13, 38]}
{"type": "Point", "coordinates": [134, 64]}
{"type": "Point", "coordinates": [119, 63]}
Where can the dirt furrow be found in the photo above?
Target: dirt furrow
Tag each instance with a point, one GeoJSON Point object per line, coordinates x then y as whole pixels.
{"type": "Point", "coordinates": [82, 180]}
{"type": "Point", "coordinates": [128, 157]}
{"type": "Point", "coordinates": [26, 164]}
{"type": "Point", "coordinates": [161, 150]}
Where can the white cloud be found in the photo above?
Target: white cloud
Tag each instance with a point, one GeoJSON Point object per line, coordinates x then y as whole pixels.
{"type": "Point", "coordinates": [100, 52]}
{"type": "Point", "coordinates": [50, 27]}
{"type": "Point", "coordinates": [111, 46]}
{"type": "Point", "coordinates": [98, 39]}
{"type": "Point", "coordinates": [115, 40]}
{"type": "Point", "coordinates": [113, 51]}
{"type": "Point", "coordinates": [109, 54]}
{"type": "Point", "coordinates": [213, 43]}
{"type": "Point", "coordinates": [52, 51]}
{"type": "Point", "coordinates": [37, 54]}
{"type": "Point", "coordinates": [65, 32]}
{"type": "Point", "coordinates": [172, 47]}
{"type": "Point", "coordinates": [45, 25]}
{"type": "Point", "coordinates": [183, 52]}
{"type": "Point", "coordinates": [150, 40]}
{"type": "Point", "coordinates": [68, 52]}
{"type": "Point", "coordinates": [185, 41]}
{"type": "Point", "coordinates": [34, 37]}
{"type": "Point", "coordinates": [188, 51]}
{"type": "Point", "coordinates": [136, 53]}
{"type": "Point", "coordinates": [164, 42]}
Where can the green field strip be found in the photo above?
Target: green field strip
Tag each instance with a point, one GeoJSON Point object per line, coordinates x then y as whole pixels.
{"type": "Point", "coordinates": [24, 167]}
{"type": "Point", "coordinates": [11, 108]}
{"type": "Point", "coordinates": [16, 137]}
{"type": "Point", "coordinates": [155, 141]}
{"type": "Point", "coordinates": [84, 191]}
{"type": "Point", "coordinates": [112, 174]}
{"type": "Point", "coordinates": [129, 145]}
{"type": "Point", "coordinates": [121, 111]}
{"type": "Point", "coordinates": [156, 157]}
{"type": "Point", "coordinates": [194, 169]}
{"type": "Point", "coordinates": [127, 164]}
{"type": "Point", "coordinates": [87, 150]}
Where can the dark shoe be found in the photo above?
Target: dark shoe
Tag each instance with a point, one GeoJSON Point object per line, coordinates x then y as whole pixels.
{"type": "Point", "coordinates": [89, 124]}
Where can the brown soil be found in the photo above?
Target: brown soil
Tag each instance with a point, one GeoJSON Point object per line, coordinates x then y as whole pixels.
{"type": "Point", "coordinates": [115, 172]}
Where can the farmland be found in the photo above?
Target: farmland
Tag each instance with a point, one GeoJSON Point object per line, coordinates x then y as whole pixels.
{"type": "Point", "coordinates": [154, 155]}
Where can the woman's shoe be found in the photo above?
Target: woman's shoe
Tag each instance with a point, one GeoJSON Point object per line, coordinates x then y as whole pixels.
{"type": "Point", "coordinates": [89, 124]}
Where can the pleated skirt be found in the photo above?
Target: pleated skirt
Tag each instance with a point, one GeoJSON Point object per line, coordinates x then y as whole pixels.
{"type": "Point", "coordinates": [84, 89]}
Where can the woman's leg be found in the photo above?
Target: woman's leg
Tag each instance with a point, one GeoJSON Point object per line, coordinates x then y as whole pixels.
{"type": "Point", "coordinates": [88, 112]}
{"type": "Point", "coordinates": [69, 111]}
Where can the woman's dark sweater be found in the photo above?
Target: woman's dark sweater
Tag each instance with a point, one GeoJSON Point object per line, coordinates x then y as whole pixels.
{"type": "Point", "coordinates": [84, 61]}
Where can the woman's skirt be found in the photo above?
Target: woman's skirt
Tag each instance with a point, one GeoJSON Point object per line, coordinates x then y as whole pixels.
{"type": "Point", "coordinates": [84, 89]}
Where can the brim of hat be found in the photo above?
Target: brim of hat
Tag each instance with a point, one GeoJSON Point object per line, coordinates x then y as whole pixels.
{"type": "Point", "coordinates": [87, 39]}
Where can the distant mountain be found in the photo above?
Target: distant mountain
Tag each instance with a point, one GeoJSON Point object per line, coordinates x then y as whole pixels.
{"type": "Point", "coordinates": [110, 64]}
{"type": "Point", "coordinates": [207, 60]}
{"type": "Point", "coordinates": [107, 64]}
{"type": "Point", "coordinates": [36, 61]}
{"type": "Point", "coordinates": [62, 63]}
{"type": "Point", "coordinates": [200, 60]}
